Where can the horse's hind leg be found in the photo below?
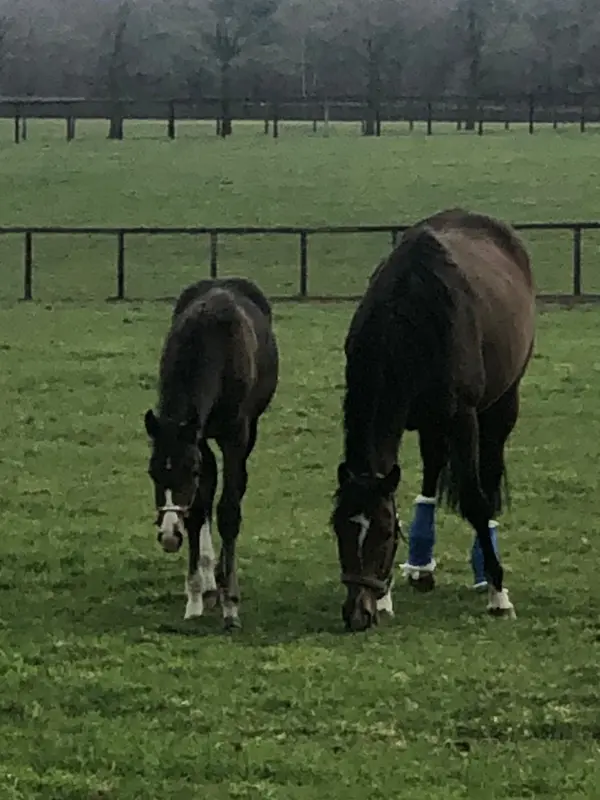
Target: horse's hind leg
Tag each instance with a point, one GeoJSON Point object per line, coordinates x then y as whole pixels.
{"type": "Point", "coordinates": [420, 566]}
{"type": "Point", "coordinates": [495, 426]}
{"type": "Point", "coordinates": [475, 506]}
{"type": "Point", "coordinates": [235, 478]}
{"type": "Point", "coordinates": [200, 584]}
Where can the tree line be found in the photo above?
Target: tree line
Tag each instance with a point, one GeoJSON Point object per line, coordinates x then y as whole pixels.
{"type": "Point", "coordinates": [261, 49]}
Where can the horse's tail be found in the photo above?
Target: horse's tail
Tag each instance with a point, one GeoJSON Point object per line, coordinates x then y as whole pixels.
{"type": "Point", "coordinates": [448, 491]}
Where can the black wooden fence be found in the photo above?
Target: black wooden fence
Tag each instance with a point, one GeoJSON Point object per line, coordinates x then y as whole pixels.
{"type": "Point", "coordinates": [574, 108]}
{"type": "Point", "coordinates": [304, 234]}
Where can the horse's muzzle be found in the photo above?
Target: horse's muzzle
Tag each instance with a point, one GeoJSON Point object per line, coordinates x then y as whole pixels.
{"type": "Point", "coordinates": [170, 542]}
{"type": "Point", "coordinates": [359, 612]}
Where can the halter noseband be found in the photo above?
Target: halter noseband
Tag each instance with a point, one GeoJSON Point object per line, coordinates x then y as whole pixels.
{"type": "Point", "coordinates": [184, 510]}
{"type": "Point", "coordinates": [380, 587]}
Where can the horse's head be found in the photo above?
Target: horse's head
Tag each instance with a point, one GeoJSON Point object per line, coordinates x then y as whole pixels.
{"type": "Point", "coordinates": [367, 530]}
{"type": "Point", "coordinates": [174, 468]}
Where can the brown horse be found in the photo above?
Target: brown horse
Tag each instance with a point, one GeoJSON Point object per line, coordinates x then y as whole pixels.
{"type": "Point", "coordinates": [438, 344]}
{"type": "Point", "coordinates": [218, 373]}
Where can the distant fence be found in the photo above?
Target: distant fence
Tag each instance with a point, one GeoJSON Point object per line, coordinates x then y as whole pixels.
{"type": "Point", "coordinates": [303, 234]}
{"type": "Point", "coordinates": [580, 109]}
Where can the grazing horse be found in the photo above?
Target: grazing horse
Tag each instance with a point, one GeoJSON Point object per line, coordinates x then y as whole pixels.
{"type": "Point", "coordinates": [438, 344]}
{"type": "Point", "coordinates": [218, 373]}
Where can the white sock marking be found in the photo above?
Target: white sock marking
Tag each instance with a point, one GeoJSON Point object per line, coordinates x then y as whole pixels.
{"type": "Point", "coordinates": [230, 611]}
{"type": "Point", "coordinates": [410, 571]}
{"type": "Point", "coordinates": [500, 601]}
{"type": "Point", "coordinates": [385, 604]}
{"type": "Point", "coordinates": [207, 560]}
{"type": "Point", "coordinates": [193, 589]}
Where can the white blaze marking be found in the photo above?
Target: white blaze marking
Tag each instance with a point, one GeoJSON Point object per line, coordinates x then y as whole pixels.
{"type": "Point", "coordinates": [169, 526]}
{"type": "Point", "coordinates": [365, 524]}
{"type": "Point", "coordinates": [207, 559]}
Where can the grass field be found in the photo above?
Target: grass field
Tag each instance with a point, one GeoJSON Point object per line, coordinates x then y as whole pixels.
{"type": "Point", "coordinates": [106, 693]}
{"type": "Point", "coordinates": [299, 179]}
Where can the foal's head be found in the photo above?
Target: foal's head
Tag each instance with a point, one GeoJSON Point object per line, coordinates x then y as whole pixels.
{"type": "Point", "coordinates": [367, 530]}
{"type": "Point", "coordinates": [175, 469]}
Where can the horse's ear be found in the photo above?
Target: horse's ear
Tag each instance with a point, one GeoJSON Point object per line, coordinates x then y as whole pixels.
{"type": "Point", "coordinates": [151, 423]}
{"type": "Point", "coordinates": [343, 474]}
{"type": "Point", "coordinates": [389, 483]}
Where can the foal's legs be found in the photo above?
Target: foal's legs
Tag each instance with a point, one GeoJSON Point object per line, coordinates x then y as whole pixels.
{"type": "Point", "coordinates": [236, 449]}
{"type": "Point", "coordinates": [475, 506]}
{"type": "Point", "coordinates": [420, 566]}
{"type": "Point", "coordinates": [200, 584]}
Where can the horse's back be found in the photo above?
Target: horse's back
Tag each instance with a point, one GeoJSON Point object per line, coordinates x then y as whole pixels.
{"type": "Point", "coordinates": [250, 342]}
{"type": "Point", "coordinates": [496, 325]}
{"type": "Point", "coordinates": [243, 290]}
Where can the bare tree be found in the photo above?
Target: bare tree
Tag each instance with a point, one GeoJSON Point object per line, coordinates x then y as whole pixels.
{"type": "Point", "coordinates": [237, 23]}
{"type": "Point", "coordinates": [113, 65]}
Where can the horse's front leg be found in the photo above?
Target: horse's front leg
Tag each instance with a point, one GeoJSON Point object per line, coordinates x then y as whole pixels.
{"type": "Point", "coordinates": [420, 566]}
{"type": "Point", "coordinates": [193, 579]}
{"type": "Point", "coordinates": [200, 583]}
{"type": "Point", "coordinates": [229, 515]}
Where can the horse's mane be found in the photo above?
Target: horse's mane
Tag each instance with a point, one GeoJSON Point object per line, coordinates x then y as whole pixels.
{"type": "Point", "coordinates": [195, 353]}
{"type": "Point", "coordinates": [400, 334]}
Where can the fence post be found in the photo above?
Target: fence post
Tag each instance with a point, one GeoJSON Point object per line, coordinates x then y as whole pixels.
{"type": "Point", "coordinates": [121, 265]}
{"type": "Point", "coordinates": [171, 121]}
{"type": "Point", "coordinates": [577, 261]}
{"type": "Point", "coordinates": [394, 237]}
{"type": "Point", "coordinates": [303, 264]}
{"type": "Point", "coordinates": [429, 119]}
{"type": "Point", "coordinates": [582, 116]}
{"type": "Point", "coordinates": [70, 128]}
{"type": "Point", "coordinates": [17, 135]}
{"type": "Point", "coordinates": [531, 113]}
{"type": "Point", "coordinates": [28, 267]}
{"type": "Point", "coordinates": [214, 254]}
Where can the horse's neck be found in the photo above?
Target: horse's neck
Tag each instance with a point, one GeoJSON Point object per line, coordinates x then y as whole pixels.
{"type": "Point", "coordinates": [374, 427]}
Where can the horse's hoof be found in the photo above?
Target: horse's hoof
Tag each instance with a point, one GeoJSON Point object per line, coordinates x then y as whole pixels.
{"type": "Point", "coordinates": [505, 613]}
{"type": "Point", "coordinates": [231, 624]}
{"type": "Point", "coordinates": [424, 583]}
{"type": "Point", "coordinates": [210, 599]}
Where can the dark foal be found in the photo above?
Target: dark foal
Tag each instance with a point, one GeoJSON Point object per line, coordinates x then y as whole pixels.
{"type": "Point", "coordinates": [218, 373]}
{"type": "Point", "coordinates": [438, 345]}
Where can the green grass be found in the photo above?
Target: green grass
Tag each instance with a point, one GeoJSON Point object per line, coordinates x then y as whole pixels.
{"type": "Point", "coordinates": [106, 693]}
{"type": "Point", "coordinates": [299, 179]}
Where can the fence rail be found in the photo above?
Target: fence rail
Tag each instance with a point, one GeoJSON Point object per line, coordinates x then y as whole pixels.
{"type": "Point", "coordinates": [304, 233]}
{"type": "Point", "coordinates": [532, 109]}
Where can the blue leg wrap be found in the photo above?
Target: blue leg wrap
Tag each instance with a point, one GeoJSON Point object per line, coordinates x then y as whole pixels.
{"type": "Point", "coordinates": [479, 577]}
{"type": "Point", "coordinates": [422, 533]}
